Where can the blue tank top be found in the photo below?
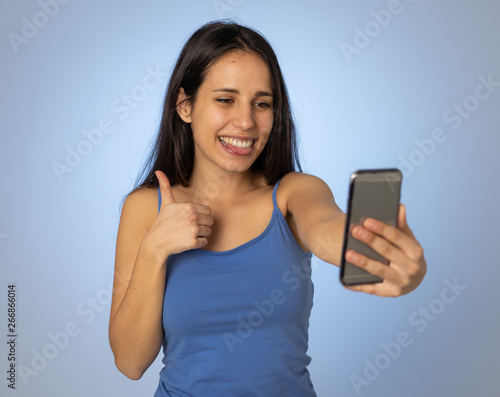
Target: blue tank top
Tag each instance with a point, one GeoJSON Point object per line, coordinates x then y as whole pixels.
{"type": "Point", "coordinates": [236, 322]}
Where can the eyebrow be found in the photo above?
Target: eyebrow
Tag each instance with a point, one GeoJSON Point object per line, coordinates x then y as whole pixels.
{"type": "Point", "coordinates": [235, 91]}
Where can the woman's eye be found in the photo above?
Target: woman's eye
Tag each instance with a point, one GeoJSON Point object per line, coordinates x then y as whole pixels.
{"type": "Point", "coordinates": [263, 105]}
{"type": "Point", "coordinates": [224, 100]}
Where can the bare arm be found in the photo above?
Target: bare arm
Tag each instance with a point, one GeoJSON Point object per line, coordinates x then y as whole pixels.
{"type": "Point", "coordinates": [318, 219]}
{"type": "Point", "coordinates": [145, 241]}
{"type": "Point", "coordinates": [135, 330]}
{"type": "Point", "coordinates": [320, 226]}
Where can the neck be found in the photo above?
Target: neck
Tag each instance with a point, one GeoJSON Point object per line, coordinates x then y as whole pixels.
{"type": "Point", "coordinates": [218, 185]}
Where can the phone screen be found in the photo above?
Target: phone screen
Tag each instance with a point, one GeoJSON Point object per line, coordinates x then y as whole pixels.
{"type": "Point", "coordinates": [374, 194]}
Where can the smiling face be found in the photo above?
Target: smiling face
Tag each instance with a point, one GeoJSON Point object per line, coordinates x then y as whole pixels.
{"type": "Point", "coordinates": [232, 115]}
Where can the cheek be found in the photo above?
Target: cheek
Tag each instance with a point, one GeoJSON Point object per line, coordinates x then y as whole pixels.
{"type": "Point", "coordinates": [208, 121]}
{"type": "Point", "coordinates": [264, 121]}
{"type": "Point", "coordinates": [215, 120]}
{"type": "Point", "coordinates": [219, 118]}
{"type": "Point", "coordinates": [265, 127]}
{"type": "Point", "coordinates": [267, 124]}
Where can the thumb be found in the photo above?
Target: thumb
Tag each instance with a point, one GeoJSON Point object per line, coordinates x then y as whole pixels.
{"type": "Point", "coordinates": [165, 189]}
{"type": "Point", "coordinates": [402, 225]}
{"type": "Point", "coordinates": [401, 216]}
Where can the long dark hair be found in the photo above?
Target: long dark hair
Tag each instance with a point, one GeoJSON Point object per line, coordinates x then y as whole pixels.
{"type": "Point", "coordinates": [173, 151]}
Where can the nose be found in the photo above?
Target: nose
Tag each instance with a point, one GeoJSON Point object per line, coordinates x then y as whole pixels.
{"type": "Point", "coordinates": [244, 117]}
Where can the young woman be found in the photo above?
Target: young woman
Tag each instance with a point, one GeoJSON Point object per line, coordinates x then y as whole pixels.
{"type": "Point", "coordinates": [214, 247]}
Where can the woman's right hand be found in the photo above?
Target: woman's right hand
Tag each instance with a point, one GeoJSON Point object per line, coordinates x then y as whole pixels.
{"type": "Point", "coordinates": [179, 226]}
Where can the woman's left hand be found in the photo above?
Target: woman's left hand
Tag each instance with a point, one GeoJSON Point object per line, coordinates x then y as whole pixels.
{"type": "Point", "coordinates": [407, 266]}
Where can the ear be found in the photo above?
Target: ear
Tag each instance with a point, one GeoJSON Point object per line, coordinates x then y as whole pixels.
{"type": "Point", "coordinates": [183, 106]}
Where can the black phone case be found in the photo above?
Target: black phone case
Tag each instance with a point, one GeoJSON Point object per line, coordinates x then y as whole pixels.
{"type": "Point", "coordinates": [382, 204]}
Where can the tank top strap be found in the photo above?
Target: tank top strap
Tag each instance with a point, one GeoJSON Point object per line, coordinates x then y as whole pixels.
{"type": "Point", "coordinates": [274, 194]}
{"type": "Point", "coordinates": [159, 199]}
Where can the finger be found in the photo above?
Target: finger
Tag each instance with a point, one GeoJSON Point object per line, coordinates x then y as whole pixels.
{"type": "Point", "coordinates": [201, 242]}
{"type": "Point", "coordinates": [382, 246]}
{"type": "Point", "coordinates": [402, 224]}
{"type": "Point", "coordinates": [202, 209]}
{"type": "Point", "coordinates": [165, 189]}
{"type": "Point", "coordinates": [380, 289]}
{"type": "Point", "coordinates": [205, 220]}
{"type": "Point", "coordinates": [403, 239]}
{"type": "Point", "coordinates": [385, 272]}
{"type": "Point", "coordinates": [204, 231]}
{"type": "Point", "coordinates": [402, 217]}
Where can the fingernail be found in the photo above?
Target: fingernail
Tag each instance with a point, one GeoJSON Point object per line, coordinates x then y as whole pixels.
{"type": "Point", "coordinates": [370, 224]}
{"type": "Point", "coordinates": [352, 257]}
{"type": "Point", "coordinates": [359, 232]}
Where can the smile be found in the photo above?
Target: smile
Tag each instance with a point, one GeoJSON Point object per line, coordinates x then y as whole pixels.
{"type": "Point", "coordinates": [241, 143]}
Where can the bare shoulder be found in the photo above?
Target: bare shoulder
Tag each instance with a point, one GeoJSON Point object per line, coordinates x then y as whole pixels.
{"type": "Point", "coordinates": [139, 213]}
{"type": "Point", "coordinates": [301, 181]}
{"type": "Point", "coordinates": [141, 207]}
{"type": "Point", "coordinates": [306, 201]}
{"type": "Point", "coordinates": [301, 187]}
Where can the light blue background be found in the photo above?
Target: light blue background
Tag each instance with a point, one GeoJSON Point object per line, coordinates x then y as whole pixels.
{"type": "Point", "coordinates": [57, 235]}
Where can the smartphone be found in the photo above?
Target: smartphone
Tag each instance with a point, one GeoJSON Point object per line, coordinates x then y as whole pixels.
{"type": "Point", "coordinates": [372, 194]}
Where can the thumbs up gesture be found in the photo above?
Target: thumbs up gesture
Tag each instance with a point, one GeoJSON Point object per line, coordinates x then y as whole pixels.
{"type": "Point", "coordinates": [179, 226]}
{"type": "Point", "coordinates": [165, 189]}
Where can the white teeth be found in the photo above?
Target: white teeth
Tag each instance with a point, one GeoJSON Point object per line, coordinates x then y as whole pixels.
{"type": "Point", "coordinates": [237, 142]}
